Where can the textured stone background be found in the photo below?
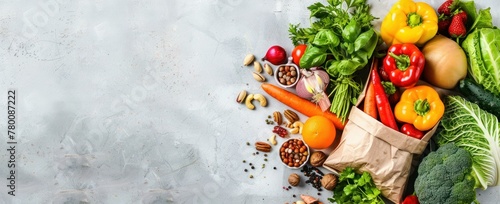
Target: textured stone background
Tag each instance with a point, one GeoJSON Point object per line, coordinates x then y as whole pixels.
{"type": "Point", "coordinates": [132, 101]}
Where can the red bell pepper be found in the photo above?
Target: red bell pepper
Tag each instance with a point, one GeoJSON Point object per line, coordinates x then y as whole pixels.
{"type": "Point", "coordinates": [411, 131]}
{"type": "Point", "coordinates": [411, 199]}
{"type": "Point", "coordinates": [383, 106]}
{"type": "Point", "coordinates": [404, 63]}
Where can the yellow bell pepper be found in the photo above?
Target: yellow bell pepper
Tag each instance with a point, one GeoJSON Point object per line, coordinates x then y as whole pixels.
{"type": "Point", "coordinates": [420, 106]}
{"type": "Point", "coordinates": [409, 22]}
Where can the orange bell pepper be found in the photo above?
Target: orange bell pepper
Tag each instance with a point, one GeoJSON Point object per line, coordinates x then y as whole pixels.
{"type": "Point", "coordinates": [420, 106]}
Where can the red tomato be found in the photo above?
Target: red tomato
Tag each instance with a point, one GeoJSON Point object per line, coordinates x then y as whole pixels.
{"type": "Point", "coordinates": [297, 53]}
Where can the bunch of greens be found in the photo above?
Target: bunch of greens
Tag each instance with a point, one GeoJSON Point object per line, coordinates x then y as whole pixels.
{"type": "Point", "coordinates": [356, 188]}
{"type": "Point", "coordinates": [342, 40]}
{"type": "Point", "coordinates": [477, 131]}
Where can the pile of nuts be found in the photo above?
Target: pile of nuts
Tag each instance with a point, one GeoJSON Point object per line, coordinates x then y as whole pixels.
{"type": "Point", "coordinates": [294, 153]}
{"type": "Point", "coordinates": [287, 75]}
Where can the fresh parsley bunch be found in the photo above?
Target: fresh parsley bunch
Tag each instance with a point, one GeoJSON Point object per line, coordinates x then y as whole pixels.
{"type": "Point", "coordinates": [356, 189]}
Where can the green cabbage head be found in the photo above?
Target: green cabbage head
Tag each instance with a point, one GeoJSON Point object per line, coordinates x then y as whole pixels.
{"type": "Point", "coordinates": [482, 47]}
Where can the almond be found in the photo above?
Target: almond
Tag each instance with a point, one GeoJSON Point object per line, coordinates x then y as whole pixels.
{"type": "Point", "coordinates": [263, 146]}
{"type": "Point", "coordinates": [291, 116]}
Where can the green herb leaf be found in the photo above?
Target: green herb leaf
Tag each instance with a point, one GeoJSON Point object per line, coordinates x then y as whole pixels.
{"type": "Point", "coordinates": [355, 188]}
{"type": "Point", "coordinates": [326, 37]}
{"type": "Point", "coordinates": [313, 56]}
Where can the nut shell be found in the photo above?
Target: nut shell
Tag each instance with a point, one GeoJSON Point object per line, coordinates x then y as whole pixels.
{"type": "Point", "coordinates": [294, 179]}
{"type": "Point", "coordinates": [329, 181]}
{"type": "Point", "coordinates": [317, 158]}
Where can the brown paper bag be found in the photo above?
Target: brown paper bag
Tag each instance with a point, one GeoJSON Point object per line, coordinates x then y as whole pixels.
{"type": "Point", "coordinates": [368, 145]}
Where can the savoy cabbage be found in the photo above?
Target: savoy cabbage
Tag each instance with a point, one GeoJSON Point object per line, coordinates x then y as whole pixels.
{"type": "Point", "coordinates": [477, 131]}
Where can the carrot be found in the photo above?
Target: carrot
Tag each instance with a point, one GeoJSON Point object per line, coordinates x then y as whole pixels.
{"type": "Point", "coordinates": [370, 106]}
{"type": "Point", "coordinates": [301, 105]}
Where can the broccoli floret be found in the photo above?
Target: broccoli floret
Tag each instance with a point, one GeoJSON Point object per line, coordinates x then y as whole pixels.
{"type": "Point", "coordinates": [445, 176]}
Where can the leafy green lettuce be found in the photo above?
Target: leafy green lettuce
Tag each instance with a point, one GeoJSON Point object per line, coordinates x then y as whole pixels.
{"type": "Point", "coordinates": [478, 132]}
{"type": "Point", "coordinates": [482, 47]}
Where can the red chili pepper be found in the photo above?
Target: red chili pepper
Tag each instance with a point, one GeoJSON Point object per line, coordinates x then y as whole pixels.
{"type": "Point", "coordinates": [404, 64]}
{"type": "Point", "coordinates": [411, 199]}
{"type": "Point", "coordinates": [383, 106]}
{"type": "Point", "coordinates": [410, 130]}
{"type": "Point", "coordinates": [392, 92]}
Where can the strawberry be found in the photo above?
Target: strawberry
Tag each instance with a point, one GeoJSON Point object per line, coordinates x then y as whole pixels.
{"type": "Point", "coordinates": [443, 25]}
{"type": "Point", "coordinates": [448, 7]}
{"type": "Point", "coordinates": [457, 27]}
{"type": "Point", "coordinates": [462, 15]}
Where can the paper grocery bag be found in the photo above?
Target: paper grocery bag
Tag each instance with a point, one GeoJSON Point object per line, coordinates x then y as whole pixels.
{"type": "Point", "coordinates": [368, 145]}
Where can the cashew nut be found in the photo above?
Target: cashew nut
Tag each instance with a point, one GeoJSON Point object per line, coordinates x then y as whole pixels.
{"type": "Point", "coordinates": [248, 101]}
{"type": "Point", "coordinates": [261, 99]}
{"type": "Point", "coordinates": [297, 127]}
{"type": "Point", "coordinates": [300, 202]}
{"type": "Point", "coordinates": [272, 140]}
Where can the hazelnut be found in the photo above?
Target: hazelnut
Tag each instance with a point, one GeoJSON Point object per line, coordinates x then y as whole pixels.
{"type": "Point", "coordinates": [294, 179]}
{"type": "Point", "coordinates": [317, 158]}
{"type": "Point", "coordinates": [329, 181]}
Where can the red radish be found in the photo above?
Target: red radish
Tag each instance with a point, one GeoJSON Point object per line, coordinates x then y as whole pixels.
{"type": "Point", "coordinates": [276, 55]}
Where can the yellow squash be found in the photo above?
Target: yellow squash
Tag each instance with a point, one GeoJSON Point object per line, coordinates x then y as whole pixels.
{"type": "Point", "coordinates": [409, 22]}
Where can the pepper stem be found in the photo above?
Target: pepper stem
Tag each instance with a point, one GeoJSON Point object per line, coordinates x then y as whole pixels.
{"type": "Point", "coordinates": [402, 61]}
{"type": "Point", "coordinates": [414, 20]}
{"type": "Point", "coordinates": [421, 107]}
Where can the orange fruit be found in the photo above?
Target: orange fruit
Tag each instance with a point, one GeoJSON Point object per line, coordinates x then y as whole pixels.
{"type": "Point", "coordinates": [318, 132]}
